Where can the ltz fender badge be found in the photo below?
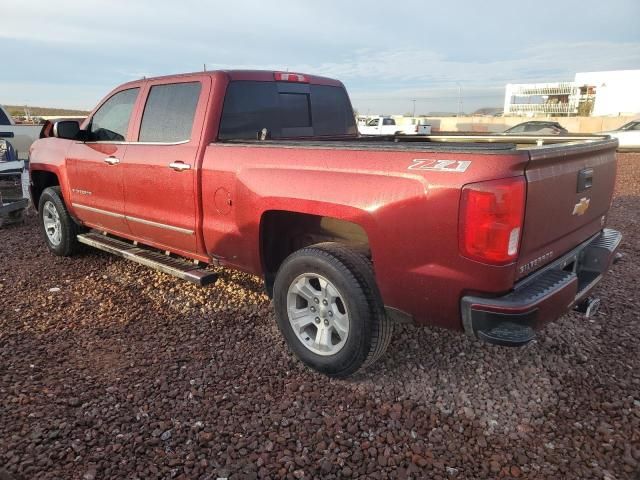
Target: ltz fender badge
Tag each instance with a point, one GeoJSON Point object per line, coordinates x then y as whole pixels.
{"type": "Point", "coordinates": [457, 166]}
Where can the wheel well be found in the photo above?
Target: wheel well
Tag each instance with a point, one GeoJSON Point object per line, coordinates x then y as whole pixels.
{"type": "Point", "coordinates": [40, 180]}
{"type": "Point", "coordinates": [282, 233]}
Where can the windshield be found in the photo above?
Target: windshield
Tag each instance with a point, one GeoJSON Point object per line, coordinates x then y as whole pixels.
{"type": "Point", "coordinates": [635, 125]}
{"type": "Point", "coordinates": [4, 119]}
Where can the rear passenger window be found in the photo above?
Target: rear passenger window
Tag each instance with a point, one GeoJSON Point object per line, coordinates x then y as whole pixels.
{"type": "Point", "coordinates": [169, 112]}
{"type": "Point", "coordinates": [111, 122]}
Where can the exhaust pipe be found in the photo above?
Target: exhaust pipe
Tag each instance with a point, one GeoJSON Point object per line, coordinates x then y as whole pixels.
{"type": "Point", "coordinates": [589, 306]}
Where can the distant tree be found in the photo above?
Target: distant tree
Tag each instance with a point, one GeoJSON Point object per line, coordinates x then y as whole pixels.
{"type": "Point", "coordinates": [585, 107]}
{"type": "Point", "coordinates": [17, 110]}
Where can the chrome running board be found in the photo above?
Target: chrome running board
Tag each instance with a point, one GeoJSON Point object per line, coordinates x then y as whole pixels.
{"type": "Point", "coordinates": [177, 267]}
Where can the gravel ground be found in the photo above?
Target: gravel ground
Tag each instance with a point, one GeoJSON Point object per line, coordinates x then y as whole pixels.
{"type": "Point", "coordinates": [110, 370]}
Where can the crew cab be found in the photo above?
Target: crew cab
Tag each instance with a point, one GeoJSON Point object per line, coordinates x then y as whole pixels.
{"type": "Point", "coordinates": [265, 172]}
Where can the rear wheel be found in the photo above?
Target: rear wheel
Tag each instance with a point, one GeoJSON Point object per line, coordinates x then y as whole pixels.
{"type": "Point", "coordinates": [329, 309]}
{"type": "Point", "coordinates": [58, 228]}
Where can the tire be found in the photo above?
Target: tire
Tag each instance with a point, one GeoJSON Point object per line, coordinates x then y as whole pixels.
{"type": "Point", "coordinates": [348, 280]}
{"type": "Point", "coordinates": [51, 203]}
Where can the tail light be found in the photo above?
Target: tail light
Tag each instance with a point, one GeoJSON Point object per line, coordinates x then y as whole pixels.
{"type": "Point", "coordinates": [290, 77]}
{"type": "Point", "coordinates": [491, 218]}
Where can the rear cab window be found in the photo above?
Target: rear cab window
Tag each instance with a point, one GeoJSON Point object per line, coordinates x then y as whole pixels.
{"type": "Point", "coordinates": [286, 110]}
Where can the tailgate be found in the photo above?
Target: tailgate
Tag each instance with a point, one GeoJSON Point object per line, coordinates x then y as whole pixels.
{"type": "Point", "coordinates": [569, 191]}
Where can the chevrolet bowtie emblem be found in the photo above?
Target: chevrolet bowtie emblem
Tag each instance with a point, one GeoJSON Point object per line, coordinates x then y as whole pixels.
{"type": "Point", "coordinates": [581, 207]}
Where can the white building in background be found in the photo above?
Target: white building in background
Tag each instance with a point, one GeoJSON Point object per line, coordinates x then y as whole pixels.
{"type": "Point", "coordinates": [612, 93]}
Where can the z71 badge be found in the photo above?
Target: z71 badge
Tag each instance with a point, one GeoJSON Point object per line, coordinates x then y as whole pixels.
{"type": "Point", "coordinates": [457, 166]}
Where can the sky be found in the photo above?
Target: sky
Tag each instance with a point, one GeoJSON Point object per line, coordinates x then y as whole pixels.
{"type": "Point", "coordinates": [70, 53]}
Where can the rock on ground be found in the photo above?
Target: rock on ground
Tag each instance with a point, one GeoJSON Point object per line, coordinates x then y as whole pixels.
{"type": "Point", "coordinates": [110, 370]}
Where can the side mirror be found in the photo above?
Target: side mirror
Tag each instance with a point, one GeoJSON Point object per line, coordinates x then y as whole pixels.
{"type": "Point", "coordinates": [68, 129]}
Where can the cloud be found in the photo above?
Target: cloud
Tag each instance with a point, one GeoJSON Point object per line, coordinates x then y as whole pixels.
{"type": "Point", "coordinates": [71, 48]}
{"type": "Point", "coordinates": [413, 66]}
{"type": "Point", "coordinates": [382, 79]}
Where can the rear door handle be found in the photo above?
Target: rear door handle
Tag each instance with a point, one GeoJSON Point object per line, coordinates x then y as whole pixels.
{"type": "Point", "coordinates": [112, 160]}
{"type": "Point", "coordinates": [179, 166]}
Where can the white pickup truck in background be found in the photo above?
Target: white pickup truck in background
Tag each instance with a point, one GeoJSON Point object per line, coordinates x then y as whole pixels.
{"type": "Point", "coordinates": [20, 136]}
{"type": "Point", "coordinates": [14, 185]}
{"type": "Point", "coordinates": [391, 126]}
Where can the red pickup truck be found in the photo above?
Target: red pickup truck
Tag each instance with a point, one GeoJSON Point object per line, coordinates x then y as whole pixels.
{"type": "Point", "coordinates": [265, 172]}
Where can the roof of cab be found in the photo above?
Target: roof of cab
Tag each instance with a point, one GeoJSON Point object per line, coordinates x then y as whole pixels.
{"type": "Point", "coordinates": [254, 75]}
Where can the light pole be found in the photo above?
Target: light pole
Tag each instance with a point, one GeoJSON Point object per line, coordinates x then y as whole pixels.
{"type": "Point", "coordinates": [414, 107]}
{"type": "Point", "coordinates": [460, 106]}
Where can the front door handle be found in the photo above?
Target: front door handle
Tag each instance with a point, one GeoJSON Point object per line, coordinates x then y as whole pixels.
{"type": "Point", "coordinates": [112, 160]}
{"type": "Point", "coordinates": [179, 166]}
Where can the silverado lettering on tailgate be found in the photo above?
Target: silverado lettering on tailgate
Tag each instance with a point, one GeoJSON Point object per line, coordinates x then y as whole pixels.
{"type": "Point", "coordinates": [457, 166]}
{"type": "Point", "coordinates": [535, 263]}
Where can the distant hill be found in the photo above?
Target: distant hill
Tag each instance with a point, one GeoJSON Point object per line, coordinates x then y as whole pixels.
{"type": "Point", "coordinates": [18, 111]}
{"type": "Point", "coordinates": [442, 114]}
{"type": "Point", "coordinates": [488, 111]}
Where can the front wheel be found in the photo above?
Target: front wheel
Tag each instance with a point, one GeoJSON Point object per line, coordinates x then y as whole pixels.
{"type": "Point", "coordinates": [58, 228]}
{"type": "Point", "coordinates": [329, 309]}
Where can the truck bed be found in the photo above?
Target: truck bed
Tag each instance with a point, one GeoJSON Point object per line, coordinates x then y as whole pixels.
{"type": "Point", "coordinates": [559, 213]}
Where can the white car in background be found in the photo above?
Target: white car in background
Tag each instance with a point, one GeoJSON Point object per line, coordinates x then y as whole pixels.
{"type": "Point", "coordinates": [628, 135]}
{"type": "Point", "coordinates": [389, 126]}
